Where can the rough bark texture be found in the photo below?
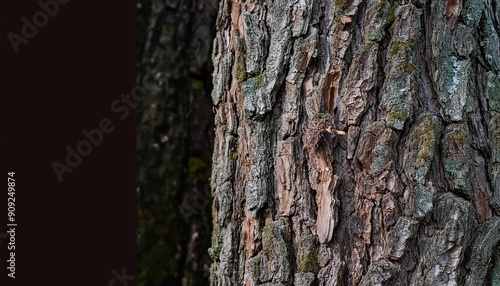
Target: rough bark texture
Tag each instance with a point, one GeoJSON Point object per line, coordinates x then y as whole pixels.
{"type": "Point", "coordinates": [175, 136]}
{"type": "Point", "coordinates": [411, 194]}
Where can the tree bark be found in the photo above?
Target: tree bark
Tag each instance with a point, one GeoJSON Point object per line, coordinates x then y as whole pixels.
{"type": "Point", "coordinates": [409, 196]}
{"type": "Point", "coordinates": [175, 136]}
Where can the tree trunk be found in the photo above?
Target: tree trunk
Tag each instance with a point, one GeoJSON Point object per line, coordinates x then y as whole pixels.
{"type": "Point", "coordinates": [410, 195]}
{"type": "Point", "coordinates": [175, 138]}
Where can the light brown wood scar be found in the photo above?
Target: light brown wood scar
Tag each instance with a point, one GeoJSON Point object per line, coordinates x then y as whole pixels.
{"type": "Point", "coordinates": [453, 8]}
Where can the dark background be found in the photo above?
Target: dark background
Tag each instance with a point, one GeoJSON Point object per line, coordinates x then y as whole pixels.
{"type": "Point", "coordinates": [62, 81]}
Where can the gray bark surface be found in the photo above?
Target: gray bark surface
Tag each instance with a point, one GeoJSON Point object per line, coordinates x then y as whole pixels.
{"type": "Point", "coordinates": [409, 196]}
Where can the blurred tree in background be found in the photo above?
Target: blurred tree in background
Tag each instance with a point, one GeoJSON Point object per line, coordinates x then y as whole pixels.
{"type": "Point", "coordinates": [175, 141]}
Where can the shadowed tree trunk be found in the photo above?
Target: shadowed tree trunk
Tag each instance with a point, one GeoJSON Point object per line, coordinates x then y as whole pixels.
{"type": "Point", "coordinates": [175, 135]}
{"type": "Point", "coordinates": [410, 195]}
